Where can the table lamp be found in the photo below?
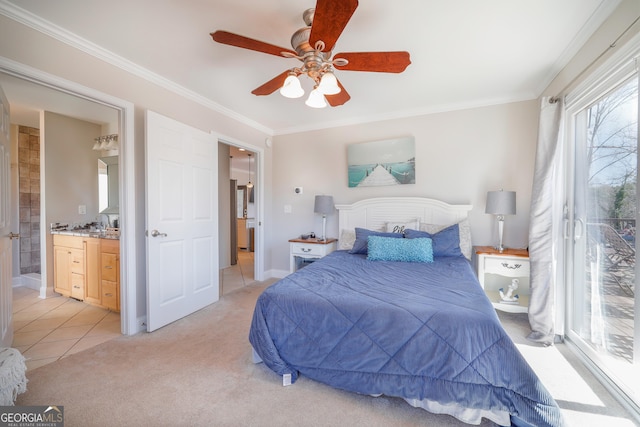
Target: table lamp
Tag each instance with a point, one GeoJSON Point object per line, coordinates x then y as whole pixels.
{"type": "Point", "coordinates": [324, 206]}
{"type": "Point", "coordinates": [501, 203]}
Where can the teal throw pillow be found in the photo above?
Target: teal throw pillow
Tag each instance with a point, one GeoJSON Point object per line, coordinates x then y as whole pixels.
{"type": "Point", "coordinates": [404, 250]}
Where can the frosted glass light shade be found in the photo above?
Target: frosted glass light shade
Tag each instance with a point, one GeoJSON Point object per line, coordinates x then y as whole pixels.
{"type": "Point", "coordinates": [329, 84]}
{"type": "Point", "coordinates": [316, 99]}
{"type": "Point", "coordinates": [291, 87]}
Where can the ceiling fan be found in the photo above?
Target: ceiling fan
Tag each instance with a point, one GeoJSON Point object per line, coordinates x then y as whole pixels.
{"type": "Point", "coordinates": [313, 46]}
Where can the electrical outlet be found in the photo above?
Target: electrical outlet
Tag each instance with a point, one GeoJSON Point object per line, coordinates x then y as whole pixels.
{"type": "Point", "coordinates": [297, 190]}
{"type": "Point", "coordinates": [82, 209]}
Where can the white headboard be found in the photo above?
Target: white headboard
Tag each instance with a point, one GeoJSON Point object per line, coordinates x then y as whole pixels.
{"type": "Point", "coordinates": [372, 214]}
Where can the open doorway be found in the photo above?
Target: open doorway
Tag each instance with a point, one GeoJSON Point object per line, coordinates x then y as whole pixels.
{"type": "Point", "coordinates": [47, 329]}
{"type": "Point", "coordinates": [241, 222]}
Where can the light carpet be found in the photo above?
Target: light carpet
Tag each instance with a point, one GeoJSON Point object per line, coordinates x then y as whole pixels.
{"type": "Point", "coordinates": [198, 372]}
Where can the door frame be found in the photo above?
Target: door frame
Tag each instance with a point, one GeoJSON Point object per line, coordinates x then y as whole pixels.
{"type": "Point", "coordinates": [129, 273]}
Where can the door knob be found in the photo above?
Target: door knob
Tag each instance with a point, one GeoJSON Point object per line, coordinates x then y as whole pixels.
{"type": "Point", "coordinates": [156, 233]}
{"type": "Point", "coordinates": [14, 236]}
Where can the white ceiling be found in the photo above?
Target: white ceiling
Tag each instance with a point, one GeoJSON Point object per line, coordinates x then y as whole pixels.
{"type": "Point", "coordinates": [464, 53]}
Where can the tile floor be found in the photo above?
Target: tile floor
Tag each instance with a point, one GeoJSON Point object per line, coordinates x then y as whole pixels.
{"type": "Point", "coordinates": [46, 330]}
{"type": "Point", "coordinates": [238, 275]}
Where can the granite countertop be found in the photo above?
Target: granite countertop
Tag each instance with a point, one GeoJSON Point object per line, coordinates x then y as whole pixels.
{"type": "Point", "coordinates": [85, 230]}
{"type": "Point", "coordinates": [88, 233]}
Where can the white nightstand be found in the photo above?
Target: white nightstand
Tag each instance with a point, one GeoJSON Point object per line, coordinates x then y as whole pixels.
{"type": "Point", "coordinates": [305, 251]}
{"type": "Point", "coordinates": [497, 269]}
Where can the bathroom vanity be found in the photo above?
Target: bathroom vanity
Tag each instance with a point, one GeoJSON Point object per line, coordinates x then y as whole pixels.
{"type": "Point", "coordinates": [87, 267]}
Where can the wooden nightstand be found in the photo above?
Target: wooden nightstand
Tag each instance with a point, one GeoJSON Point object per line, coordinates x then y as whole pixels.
{"type": "Point", "coordinates": [497, 269]}
{"type": "Point", "coordinates": [305, 251]}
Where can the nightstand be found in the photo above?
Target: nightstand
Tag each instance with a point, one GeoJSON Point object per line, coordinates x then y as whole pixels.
{"type": "Point", "coordinates": [496, 270]}
{"type": "Point", "coordinates": [305, 251]}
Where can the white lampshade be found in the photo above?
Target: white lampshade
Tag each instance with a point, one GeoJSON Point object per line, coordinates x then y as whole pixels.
{"type": "Point", "coordinates": [329, 84]}
{"type": "Point", "coordinates": [316, 99]}
{"type": "Point", "coordinates": [501, 202]}
{"type": "Point", "coordinates": [292, 87]}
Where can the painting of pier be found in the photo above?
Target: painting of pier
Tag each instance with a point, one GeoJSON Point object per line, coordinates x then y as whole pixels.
{"type": "Point", "coordinates": [387, 162]}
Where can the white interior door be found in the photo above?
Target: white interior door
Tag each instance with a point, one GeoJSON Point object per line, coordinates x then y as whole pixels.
{"type": "Point", "coordinates": [182, 220]}
{"type": "Point", "coordinates": [6, 306]}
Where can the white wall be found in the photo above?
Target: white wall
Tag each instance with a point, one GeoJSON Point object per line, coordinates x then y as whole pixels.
{"type": "Point", "coordinates": [460, 155]}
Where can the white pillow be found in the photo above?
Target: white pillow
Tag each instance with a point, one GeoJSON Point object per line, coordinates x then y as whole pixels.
{"type": "Point", "coordinates": [347, 239]}
{"type": "Point", "coordinates": [400, 226]}
{"type": "Point", "coordinates": [464, 229]}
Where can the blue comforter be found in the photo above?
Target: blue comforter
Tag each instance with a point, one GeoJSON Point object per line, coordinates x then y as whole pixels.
{"type": "Point", "coordinates": [411, 330]}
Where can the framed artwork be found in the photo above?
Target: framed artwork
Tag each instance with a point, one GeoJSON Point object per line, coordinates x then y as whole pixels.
{"type": "Point", "coordinates": [386, 162]}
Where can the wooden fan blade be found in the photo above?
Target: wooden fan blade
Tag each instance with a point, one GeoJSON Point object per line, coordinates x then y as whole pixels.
{"type": "Point", "coordinates": [231, 39]}
{"type": "Point", "coordinates": [329, 19]}
{"type": "Point", "coordinates": [272, 85]}
{"type": "Point", "coordinates": [381, 62]}
{"type": "Point", "coordinates": [339, 98]}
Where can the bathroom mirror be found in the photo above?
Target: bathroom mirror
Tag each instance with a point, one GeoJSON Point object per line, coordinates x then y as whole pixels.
{"type": "Point", "coordinates": [108, 199]}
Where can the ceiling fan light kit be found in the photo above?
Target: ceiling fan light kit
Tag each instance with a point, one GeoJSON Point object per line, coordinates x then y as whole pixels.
{"type": "Point", "coordinates": [313, 47]}
{"type": "Point", "coordinates": [316, 99]}
{"type": "Point", "coordinates": [292, 87]}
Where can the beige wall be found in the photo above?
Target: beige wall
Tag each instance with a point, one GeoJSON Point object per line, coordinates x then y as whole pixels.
{"type": "Point", "coordinates": [71, 173]}
{"type": "Point", "coordinates": [460, 155]}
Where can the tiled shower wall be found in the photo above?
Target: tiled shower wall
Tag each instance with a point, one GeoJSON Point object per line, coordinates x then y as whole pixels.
{"type": "Point", "coordinates": [29, 187]}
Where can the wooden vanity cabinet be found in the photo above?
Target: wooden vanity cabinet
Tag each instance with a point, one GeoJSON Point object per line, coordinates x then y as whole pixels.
{"type": "Point", "coordinates": [69, 266]}
{"type": "Point", "coordinates": [87, 269]}
{"type": "Point", "coordinates": [93, 293]}
{"type": "Point", "coordinates": [110, 274]}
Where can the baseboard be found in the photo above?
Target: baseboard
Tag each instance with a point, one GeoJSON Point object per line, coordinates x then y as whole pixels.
{"type": "Point", "coordinates": [277, 274]}
{"type": "Point", "coordinates": [31, 281]}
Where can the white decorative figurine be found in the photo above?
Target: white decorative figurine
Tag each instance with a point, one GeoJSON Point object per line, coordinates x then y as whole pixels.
{"type": "Point", "coordinates": [509, 297]}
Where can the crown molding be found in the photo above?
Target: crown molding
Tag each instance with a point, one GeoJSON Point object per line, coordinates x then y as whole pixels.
{"type": "Point", "coordinates": [35, 22]}
{"type": "Point", "coordinates": [602, 12]}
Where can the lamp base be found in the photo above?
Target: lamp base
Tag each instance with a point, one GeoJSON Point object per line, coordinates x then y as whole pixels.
{"type": "Point", "coordinates": [324, 229]}
{"type": "Point", "coordinates": [499, 247]}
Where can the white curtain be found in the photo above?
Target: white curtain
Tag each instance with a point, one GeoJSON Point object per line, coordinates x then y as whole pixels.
{"type": "Point", "coordinates": [545, 225]}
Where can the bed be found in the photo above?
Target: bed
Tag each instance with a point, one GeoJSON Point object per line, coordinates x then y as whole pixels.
{"type": "Point", "coordinates": [404, 315]}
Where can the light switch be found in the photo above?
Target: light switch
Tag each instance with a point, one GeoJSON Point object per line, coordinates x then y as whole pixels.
{"type": "Point", "coordinates": [287, 208]}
